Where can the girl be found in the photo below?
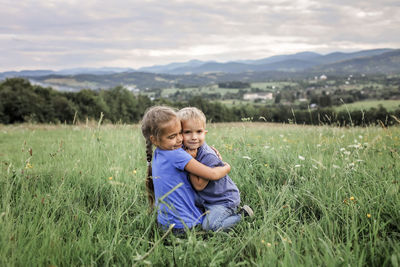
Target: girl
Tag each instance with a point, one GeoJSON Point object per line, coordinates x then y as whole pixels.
{"type": "Point", "coordinates": [167, 183]}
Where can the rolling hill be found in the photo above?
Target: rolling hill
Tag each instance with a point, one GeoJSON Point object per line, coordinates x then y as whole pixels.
{"type": "Point", "coordinates": [195, 72]}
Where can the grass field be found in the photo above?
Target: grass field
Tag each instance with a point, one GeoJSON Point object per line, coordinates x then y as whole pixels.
{"type": "Point", "coordinates": [389, 105]}
{"type": "Point", "coordinates": [75, 195]}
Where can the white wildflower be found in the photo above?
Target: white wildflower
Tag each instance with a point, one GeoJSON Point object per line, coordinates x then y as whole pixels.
{"type": "Point", "coordinates": [266, 147]}
{"type": "Point", "coordinates": [319, 145]}
{"type": "Point", "coordinates": [360, 136]}
{"type": "Point", "coordinates": [297, 166]}
{"type": "Point", "coordinates": [343, 149]}
{"type": "Point", "coordinates": [301, 157]}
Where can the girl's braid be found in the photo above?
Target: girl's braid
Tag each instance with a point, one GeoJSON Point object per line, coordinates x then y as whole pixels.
{"type": "Point", "coordinates": [149, 178]}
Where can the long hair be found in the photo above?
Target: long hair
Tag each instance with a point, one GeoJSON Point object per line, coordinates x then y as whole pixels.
{"type": "Point", "coordinates": [152, 125]}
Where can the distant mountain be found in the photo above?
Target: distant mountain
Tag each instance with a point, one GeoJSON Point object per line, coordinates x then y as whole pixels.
{"type": "Point", "coordinates": [195, 72]}
{"type": "Point", "coordinates": [25, 73]}
{"type": "Point", "coordinates": [75, 71]}
{"type": "Point", "coordinates": [143, 80]}
{"type": "Point", "coordinates": [172, 66]}
{"type": "Point", "coordinates": [235, 67]}
{"type": "Point", "coordinates": [339, 56]}
{"type": "Point", "coordinates": [386, 63]}
{"type": "Point", "coordinates": [295, 62]}
{"type": "Point", "coordinates": [95, 71]}
{"type": "Point", "coordinates": [303, 56]}
{"type": "Point", "coordinates": [285, 65]}
{"type": "Point", "coordinates": [213, 67]}
{"type": "Point", "coordinates": [300, 60]}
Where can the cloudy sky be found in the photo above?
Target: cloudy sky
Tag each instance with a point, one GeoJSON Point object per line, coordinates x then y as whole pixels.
{"type": "Point", "coordinates": [59, 34]}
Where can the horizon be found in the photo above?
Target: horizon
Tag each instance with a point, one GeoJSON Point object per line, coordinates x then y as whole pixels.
{"type": "Point", "coordinates": [175, 62]}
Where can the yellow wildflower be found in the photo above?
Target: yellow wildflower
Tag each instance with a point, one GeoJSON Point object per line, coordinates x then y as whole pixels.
{"type": "Point", "coordinates": [351, 198]}
{"type": "Point", "coordinates": [369, 215]}
{"type": "Point", "coordinates": [110, 178]}
{"type": "Point", "coordinates": [134, 171]}
{"type": "Point", "coordinates": [29, 166]}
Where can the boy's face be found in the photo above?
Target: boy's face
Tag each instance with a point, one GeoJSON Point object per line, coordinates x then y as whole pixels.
{"type": "Point", "coordinates": [193, 133]}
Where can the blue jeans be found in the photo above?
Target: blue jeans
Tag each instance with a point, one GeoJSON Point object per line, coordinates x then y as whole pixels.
{"type": "Point", "coordinates": [219, 217]}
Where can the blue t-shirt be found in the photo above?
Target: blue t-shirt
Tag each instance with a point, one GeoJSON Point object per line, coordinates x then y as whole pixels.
{"type": "Point", "coordinates": [221, 192]}
{"type": "Point", "coordinates": [178, 207]}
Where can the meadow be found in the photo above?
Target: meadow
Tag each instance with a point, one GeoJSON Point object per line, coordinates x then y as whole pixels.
{"type": "Point", "coordinates": [389, 105]}
{"type": "Point", "coordinates": [323, 196]}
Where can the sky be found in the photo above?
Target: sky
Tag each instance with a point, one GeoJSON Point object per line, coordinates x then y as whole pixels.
{"type": "Point", "coordinates": [62, 34]}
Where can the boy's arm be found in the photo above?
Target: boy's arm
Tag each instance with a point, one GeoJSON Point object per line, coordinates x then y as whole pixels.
{"type": "Point", "coordinates": [197, 182]}
{"type": "Point", "coordinates": [205, 172]}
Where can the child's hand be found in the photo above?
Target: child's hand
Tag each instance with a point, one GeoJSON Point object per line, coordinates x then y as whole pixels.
{"type": "Point", "coordinates": [192, 152]}
{"type": "Point", "coordinates": [217, 152]}
{"type": "Point", "coordinates": [226, 164]}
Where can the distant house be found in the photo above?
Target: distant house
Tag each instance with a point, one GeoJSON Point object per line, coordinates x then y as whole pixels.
{"type": "Point", "coordinates": [323, 77]}
{"type": "Point", "coordinates": [255, 96]}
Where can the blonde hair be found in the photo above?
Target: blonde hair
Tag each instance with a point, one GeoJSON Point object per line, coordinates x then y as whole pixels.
{"type": "Point", "coordinates": [192, 113]}
{"type": "Point", "coordinates": [152, 125]}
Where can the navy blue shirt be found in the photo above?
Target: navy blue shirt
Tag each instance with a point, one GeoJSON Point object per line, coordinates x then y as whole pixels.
{"type": "Point", "coordinates": [177, 206]}
{"type": "Point", "coordinates": [221, 192]}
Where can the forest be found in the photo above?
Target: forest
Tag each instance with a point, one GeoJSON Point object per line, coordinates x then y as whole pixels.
{"type": "Point", "coordinates": [21, 101]}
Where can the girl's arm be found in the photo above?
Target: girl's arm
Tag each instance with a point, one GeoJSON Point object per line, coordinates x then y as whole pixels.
{"type": "Point", "coordinates": [206, 172]}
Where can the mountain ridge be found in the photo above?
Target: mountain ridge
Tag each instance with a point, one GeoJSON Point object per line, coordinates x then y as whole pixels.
{"type": "Point", "coordinates": [195, 72]}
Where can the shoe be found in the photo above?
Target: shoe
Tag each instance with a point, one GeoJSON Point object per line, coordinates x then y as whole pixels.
{"type": "Point", "coordinates": [246, 211]}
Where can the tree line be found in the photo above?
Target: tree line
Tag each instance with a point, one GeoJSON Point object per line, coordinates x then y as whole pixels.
{"type": "Point", "coordinates": [20, 101]}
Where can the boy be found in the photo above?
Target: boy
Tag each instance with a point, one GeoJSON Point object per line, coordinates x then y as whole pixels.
{"type": "Point", "coordinates": [220, 198]}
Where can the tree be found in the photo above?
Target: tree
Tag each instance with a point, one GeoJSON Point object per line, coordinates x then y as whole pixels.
{"type": "Point", "coordinates": [89, 104]}
{"type": "Point", "coordinates": [19, 101]}
{"type": "Point", "coordinates": [122, 105]}
{"type": "Point", "coordinates": [278, 97]}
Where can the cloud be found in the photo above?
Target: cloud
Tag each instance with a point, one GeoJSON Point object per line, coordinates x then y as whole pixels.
{"type": "Point", "coordinates": [94, 33]}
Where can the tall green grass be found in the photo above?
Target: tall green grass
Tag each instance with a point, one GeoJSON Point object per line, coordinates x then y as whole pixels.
{"type": "Point", "coordinates": [75, 195]}
{"type": "Point", "coordinates": [389, 105]}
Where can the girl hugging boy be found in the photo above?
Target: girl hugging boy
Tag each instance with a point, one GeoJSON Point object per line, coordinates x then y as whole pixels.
{"type": "Point", "coordinates": [167, 183]}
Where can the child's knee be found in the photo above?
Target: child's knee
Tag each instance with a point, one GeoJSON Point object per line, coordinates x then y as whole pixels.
{"type": "Point", "coordinates": [209, 225]}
